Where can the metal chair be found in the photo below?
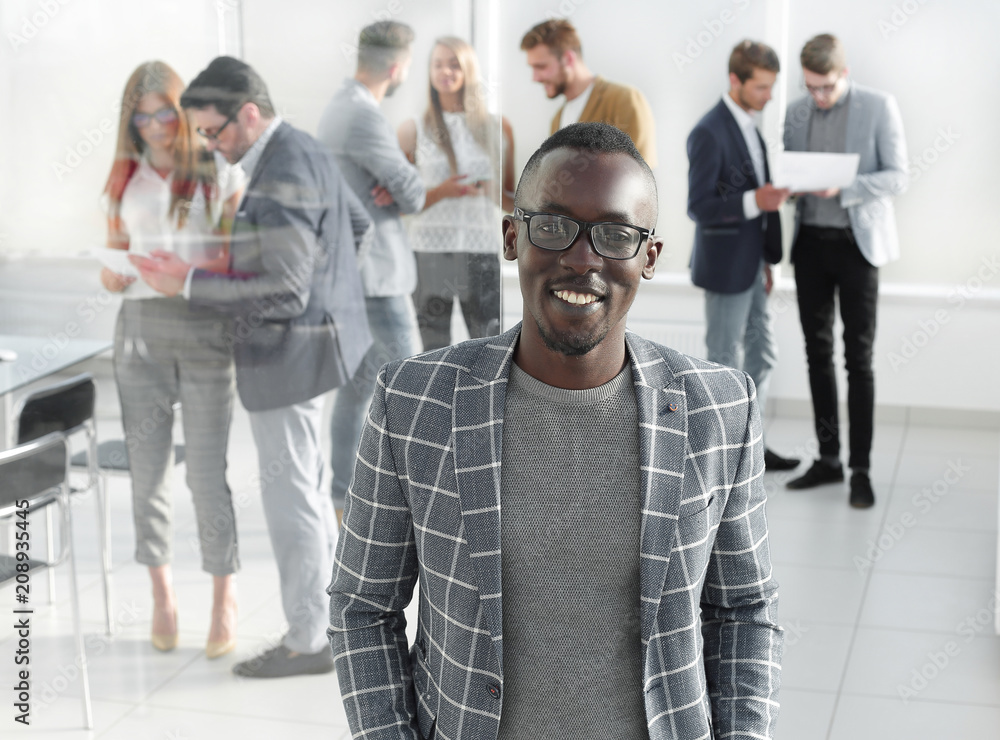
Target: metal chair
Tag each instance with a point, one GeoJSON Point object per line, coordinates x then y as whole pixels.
{"type": "Point", "coordinates": [36, 476]}
{"type": "Point", "coordinates": [68, 407]}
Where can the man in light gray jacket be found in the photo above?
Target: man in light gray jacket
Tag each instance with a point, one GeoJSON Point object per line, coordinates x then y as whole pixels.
{"type": "Point", "coordinates": [842, 237]}
{"type": "Point", "coordinates": [367, 151]}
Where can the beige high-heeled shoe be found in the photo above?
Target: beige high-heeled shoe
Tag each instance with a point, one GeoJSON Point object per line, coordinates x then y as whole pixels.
{"type": "Point", "coordinates": [217, 648]}
{"type": "Point", "coordinates": [165, 642]}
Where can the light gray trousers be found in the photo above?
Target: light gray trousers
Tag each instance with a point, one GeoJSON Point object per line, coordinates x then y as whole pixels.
{"type": "Point", "coordinates": [740, 334]}
{"type": "Point", "coordinates": [167, 352]}
{"type": "Point", "coordinates": [299, 517]}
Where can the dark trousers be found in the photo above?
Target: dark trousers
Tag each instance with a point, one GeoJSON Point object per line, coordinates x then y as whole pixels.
{"type": "Point", "coordinates": [828, 262]}
{"type": "Point", "coordinates": [471, 277]}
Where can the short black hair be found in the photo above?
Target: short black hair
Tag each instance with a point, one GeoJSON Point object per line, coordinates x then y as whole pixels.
{"type": "Point", "coordinates": [228, 84]}
{"type": "Point", "coordinates": [590, 137]}
{"type": "Point", "coordinates": [382, 44]}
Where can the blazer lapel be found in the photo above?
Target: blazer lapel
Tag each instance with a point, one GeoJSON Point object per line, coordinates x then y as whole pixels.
{"type": "Point", "coordinates": [241, 228]}
{"type": "Point", "coordinates": [855, 114]}
{"type": "Point", "coordinates": [736, 134]}
{"type": "Point", "coordinates": [477, 427]}
{"type": "Point", "coordinates": [662, 411]}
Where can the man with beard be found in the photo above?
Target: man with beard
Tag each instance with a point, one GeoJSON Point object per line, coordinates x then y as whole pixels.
{"type": "Point", "coordinates": [738, 232]}
{"type": "Point", "coordinates": [366, 148]}
{"type": "Point", "coordinates": [556, 61]}
{"type": "Point", "coordinates": [583, 508]}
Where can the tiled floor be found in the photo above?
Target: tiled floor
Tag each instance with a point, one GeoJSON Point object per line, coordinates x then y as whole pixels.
{"type": "Point", "coordinates": [889, 612]}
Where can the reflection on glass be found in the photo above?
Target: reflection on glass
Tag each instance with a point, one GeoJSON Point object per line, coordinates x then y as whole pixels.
{"type": "Point", "coordinates": [456, 143]}
{"type": "Point", "coordinates": [166, 193]}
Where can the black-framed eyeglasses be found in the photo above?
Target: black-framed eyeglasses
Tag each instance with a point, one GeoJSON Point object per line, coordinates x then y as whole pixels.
{"type": "Point", "coordinates": [214, 136]}
{"type": "Point", "coordinates": [820, 89]}
{"type": "Point", "coordinates": [555, 233]}
{"type": "Point", "coordinates": [824, 90]}
{"type": "Point", "coordinates": [164, 116]}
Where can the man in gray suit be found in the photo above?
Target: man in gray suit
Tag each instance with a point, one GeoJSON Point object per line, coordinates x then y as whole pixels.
{"type": "Point", "coordinates": [842, 238]}
{"type": "Point", "coordinates": [367, 150]}
{"type": "Point", "coordinates": [582, 508]}
{"type": "Point", "coordinates": [300, 330]}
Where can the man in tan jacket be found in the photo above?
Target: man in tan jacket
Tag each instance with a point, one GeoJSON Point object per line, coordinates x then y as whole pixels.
{"type": "Point", "coordinates": [554, 55]}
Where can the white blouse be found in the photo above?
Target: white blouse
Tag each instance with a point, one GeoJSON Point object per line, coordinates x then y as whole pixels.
{"type": "Point", "coordinates": [468, 224]}
{"type": "Point", "coordinates": [146, 219]}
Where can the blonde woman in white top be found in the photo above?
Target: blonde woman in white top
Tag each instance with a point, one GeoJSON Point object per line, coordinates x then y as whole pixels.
{"type": "Point", "coordinates": [456, 240]}
{"type": "Point", "coordinates": [166, 192]}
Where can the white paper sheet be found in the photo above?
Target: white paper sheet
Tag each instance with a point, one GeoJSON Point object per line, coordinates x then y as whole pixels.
{"type": "Point", "coordinates": [116, 260]}
{"type": "Point", "coordinates": [804, 172]}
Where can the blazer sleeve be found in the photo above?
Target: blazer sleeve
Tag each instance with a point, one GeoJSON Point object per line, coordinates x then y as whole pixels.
{"type": "Point", "coordinates": [892, 176]}
{"type": "Point", "coordinates": [362, 225]}
{"type": "Point", "coordinates": [374, 148]}
{"type": "Point", "coordinates": [710, 199]}
{"type": "Point", "coordinates": [284, 220]}
{"type": "Point", "coordinates": [374, 572]}
{"type": "Point", "coordinates": [743, 643]}
{"type": "Point", "coordinates": [635, 118]}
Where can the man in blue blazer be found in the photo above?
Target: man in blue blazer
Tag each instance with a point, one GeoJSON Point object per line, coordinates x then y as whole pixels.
{"type": "Point", "coordinates": [294, 292]}
{"type": "Point", "coordinates": [841, 239]}
{"type": "Point", "coordinates": [582, 508]}
{"type": "Point", "coordinates": [737, 229]}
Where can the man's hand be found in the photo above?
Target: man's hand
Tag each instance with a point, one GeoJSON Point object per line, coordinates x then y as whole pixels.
{"type": "Point", "coordinates": [164, 272]}
{"type": "Point", "coordinates": [768, 279]}
{"type": "Point", "coordinates": [113, 281]}
{"type": "Point", "coordinates": [828, 193]}
{"type": "Point", "coordinates": [382, 196]}
{"type": "Point", "coordinates": [770, 198]}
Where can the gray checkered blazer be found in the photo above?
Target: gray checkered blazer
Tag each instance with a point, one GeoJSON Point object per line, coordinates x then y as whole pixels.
{"type": "Point", "coordinates": [426, 502]}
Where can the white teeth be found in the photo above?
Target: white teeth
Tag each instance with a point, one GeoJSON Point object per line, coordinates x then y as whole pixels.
{"type": "Point", "coordinates": [577, 299]}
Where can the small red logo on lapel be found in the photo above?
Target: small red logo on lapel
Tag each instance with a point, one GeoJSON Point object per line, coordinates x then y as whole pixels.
{"type": "Point", "coordinates": [672, 406]}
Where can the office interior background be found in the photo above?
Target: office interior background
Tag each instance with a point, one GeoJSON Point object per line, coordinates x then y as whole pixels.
{"type": "Point", "coordinates": [63, 64]}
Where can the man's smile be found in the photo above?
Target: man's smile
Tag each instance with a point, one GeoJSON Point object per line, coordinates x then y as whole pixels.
{"type": "Point", "coordinates": [575, 298]}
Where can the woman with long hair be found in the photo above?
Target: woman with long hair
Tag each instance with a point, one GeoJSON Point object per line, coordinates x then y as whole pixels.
{"type": "Point", "coordinates": [457, 240]}
{"type": "Point", "coordinates": [165, 191]}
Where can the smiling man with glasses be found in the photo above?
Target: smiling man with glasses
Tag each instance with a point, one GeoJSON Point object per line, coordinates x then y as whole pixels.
{"type": "Point", "coordinates": [842, 237]}
{"type": "Point", "coordinates": [582, 508]}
